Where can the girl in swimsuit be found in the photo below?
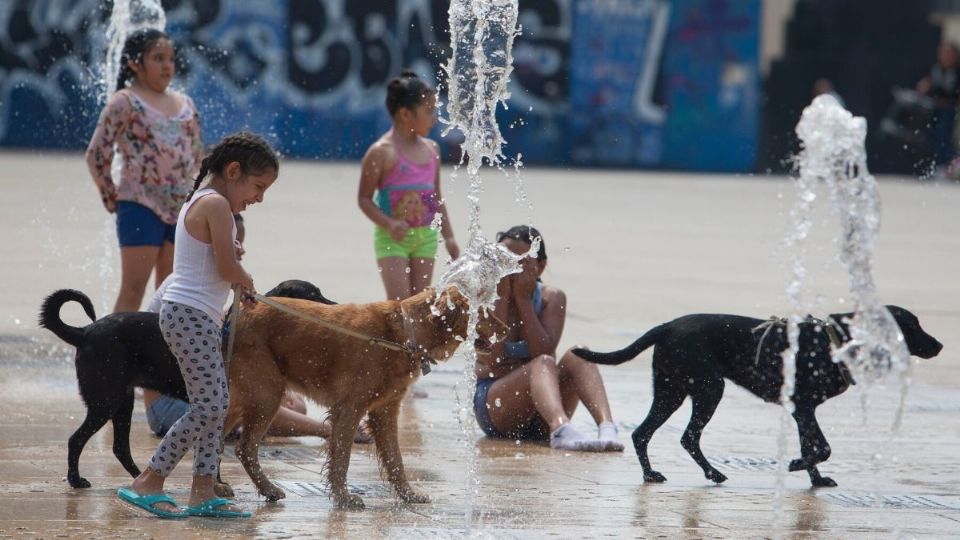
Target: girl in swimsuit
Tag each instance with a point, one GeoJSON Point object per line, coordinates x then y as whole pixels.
{"type": "Point", "coordinates": [522, 391]}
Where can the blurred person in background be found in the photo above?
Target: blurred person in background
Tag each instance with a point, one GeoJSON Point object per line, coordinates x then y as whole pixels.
{"type": "Point", "coordinates": [942, 85]}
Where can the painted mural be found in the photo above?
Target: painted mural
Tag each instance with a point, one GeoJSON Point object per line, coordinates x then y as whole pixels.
{"type": "Point", "coordinates": [620, 83]}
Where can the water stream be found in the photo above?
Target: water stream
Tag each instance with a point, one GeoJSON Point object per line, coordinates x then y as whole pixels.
{"type": "Point", "coordinates": [481, 36]}
{"type": "Point", "coordinates": [833, 155]}
{"type": "Point", "coordinates": [127, 17]}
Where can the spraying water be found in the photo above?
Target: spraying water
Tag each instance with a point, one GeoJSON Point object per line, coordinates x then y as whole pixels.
{"type": "Point", "coordinates": [834, 154]}
{"type": "Point", "coordinates": [127, 17]}
{"type": "Point", "coordinates": [482, 34]}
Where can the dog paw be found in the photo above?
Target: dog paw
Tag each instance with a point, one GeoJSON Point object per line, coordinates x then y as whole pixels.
{"type": "Point", "coordinates": [823, 481]}
{"type": "Point", "coordinates": [348, 501]}
{"type": "Point", "coordinates": [78, 482]}
{"type": "Point", "coordinates": [716, 476]}
{"type": "Point", "coordinates": [412, 497]}
{"type": "Point", "coordinates": [654, 477]}
{"type": "Point", "coordinates": [798, 465]}
{"type": "Point", "coordinates": [223, 489]}
{"type": "Point", "coordinates": [272, 493]}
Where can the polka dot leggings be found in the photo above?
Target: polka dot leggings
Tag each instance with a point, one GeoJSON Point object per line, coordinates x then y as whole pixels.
{"type": "Point", "coordinates": [194, 339]}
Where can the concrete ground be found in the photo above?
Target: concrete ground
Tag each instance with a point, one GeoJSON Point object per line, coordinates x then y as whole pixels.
{"type": "Point", "coordinates": [630, 249]}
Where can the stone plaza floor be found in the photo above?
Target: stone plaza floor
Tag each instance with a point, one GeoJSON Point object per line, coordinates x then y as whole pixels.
{"type": "Point", "coordinates": [631, 250]}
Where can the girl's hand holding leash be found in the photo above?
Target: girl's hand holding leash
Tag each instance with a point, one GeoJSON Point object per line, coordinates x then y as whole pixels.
{"type": "Point", "coordinates": [247, 291]}
{"type": "Point", "coordinates": [248, 297]}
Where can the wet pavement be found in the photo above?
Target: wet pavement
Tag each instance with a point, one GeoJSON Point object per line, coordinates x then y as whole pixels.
{"type": "Point", "coordinates": [631, 250]}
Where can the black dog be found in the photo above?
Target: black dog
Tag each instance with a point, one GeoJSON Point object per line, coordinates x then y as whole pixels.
{"type": "Point", "coordinates": [695, 353]}
{"type": "Point", "coordinates": [117, 353]}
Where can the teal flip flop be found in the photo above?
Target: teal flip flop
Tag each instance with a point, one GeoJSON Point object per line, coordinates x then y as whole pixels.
{"type": "Point", "coordinates": [210, 508]}
{"type": "Point", "coordinates": [147, 503]}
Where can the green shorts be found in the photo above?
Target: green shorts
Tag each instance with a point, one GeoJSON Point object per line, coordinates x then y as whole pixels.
{"type": "Point", "coordinates": [420, 243]}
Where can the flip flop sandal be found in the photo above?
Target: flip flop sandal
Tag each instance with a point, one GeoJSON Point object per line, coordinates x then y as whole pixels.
{"type": "Point", "coordinates": [147, 502]}
{"type": "Point", "coordinates": [210, 508]}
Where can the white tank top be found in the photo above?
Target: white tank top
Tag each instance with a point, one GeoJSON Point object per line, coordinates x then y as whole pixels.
{"type": "Point", "coordinates": [195, 281]}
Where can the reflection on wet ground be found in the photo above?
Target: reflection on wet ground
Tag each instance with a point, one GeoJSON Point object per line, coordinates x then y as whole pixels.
{"type": "Point", "coordinates": [526, 491]}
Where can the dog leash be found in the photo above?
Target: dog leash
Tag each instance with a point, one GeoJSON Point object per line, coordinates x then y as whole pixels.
{"type": "Point", "coordinates": [828, 326]}
{"type": "Point", "coordinates": [409, 349]}
{"type": "Point", "coordinates": [766, 326]}
{"type": "Point", "coordinates": [234, 313]}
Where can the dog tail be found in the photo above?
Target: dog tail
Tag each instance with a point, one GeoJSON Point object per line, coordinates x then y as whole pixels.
{"type": "Point", "coordinates": [50, 315]}
{"type": "Point", "coordinates": [628, 353]}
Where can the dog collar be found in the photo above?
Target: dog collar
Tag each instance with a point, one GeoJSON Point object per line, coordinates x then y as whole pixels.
{"type": "Point", "coordinates": [411, 346]}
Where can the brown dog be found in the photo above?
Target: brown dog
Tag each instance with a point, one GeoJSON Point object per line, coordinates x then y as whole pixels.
{"type": "Point", "coordinates": [350, 376]}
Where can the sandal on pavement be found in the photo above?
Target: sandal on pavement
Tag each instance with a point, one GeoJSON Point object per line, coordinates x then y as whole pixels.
{"type": "Point", "coordinates": [211, 508]}
{"type": "Point", "coordinates": [148, 502]}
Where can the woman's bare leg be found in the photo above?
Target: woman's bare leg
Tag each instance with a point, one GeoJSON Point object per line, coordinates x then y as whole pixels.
{"type": "Point", "coordinates": [532, 388]}
{"type": "Point", "coordinates": [584, 379]}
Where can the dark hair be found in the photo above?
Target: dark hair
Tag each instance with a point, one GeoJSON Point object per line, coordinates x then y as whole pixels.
{"type": "Point", "coordinates": [526, 234]}
{"type": "Point", "coordinates": [136, 44]}
{"type": "Point", "coordinates": [253, 154]}
{"type": "Point", "coordinates": [406, 91]}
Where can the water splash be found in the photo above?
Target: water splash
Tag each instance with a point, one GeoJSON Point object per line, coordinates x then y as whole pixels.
{"type": "Point", "coordinates": [481, 36]}
{"type": "Point", "coordinates": [127, 17]}
{"type": "Point", "coordinates": [833, 154]}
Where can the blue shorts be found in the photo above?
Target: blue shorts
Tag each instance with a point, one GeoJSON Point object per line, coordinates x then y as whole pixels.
{"type": "Point", "coordinates": [534, 430]}
{"type": "Point", "coordinates": [137, 225]}
{"type": "Point", "coordinates": [163, 412]}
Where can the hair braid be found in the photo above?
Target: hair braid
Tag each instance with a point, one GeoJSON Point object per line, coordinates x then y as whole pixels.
{"type": "Point", "coordinates": [250, 151]}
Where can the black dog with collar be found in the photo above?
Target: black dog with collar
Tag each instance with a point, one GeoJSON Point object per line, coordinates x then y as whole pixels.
{"type": "Point", "coordinates": [118, 353]}
{"type": "Point", "coordinates": [695, 353]}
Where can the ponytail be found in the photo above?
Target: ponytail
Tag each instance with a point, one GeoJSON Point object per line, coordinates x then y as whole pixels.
{"type": "Point", "coordinates": [406, 92]}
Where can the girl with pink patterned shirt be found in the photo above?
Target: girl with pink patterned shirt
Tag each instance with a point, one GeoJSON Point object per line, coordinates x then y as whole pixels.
{"type": "Point", "coordinates": [155, 131]}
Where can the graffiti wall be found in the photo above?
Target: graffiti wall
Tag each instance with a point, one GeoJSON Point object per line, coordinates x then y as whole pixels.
{"type": "Point", "coordinates": [635, 83]}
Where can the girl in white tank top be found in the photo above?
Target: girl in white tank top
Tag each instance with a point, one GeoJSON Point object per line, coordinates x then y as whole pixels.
{"type": "Point", "coordinates": [205, 265]}
{"type": "Point", "coordinates": [196, 280]}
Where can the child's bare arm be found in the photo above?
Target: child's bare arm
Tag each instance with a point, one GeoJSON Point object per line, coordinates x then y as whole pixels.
{"type": "Point", "coordinates": [113, 121]}
{"type": "Point", "coordinates": [371, 170]}
{"type": "Point", "coordinates": [220, 222]}
{"type": "Point", "coordinates": [446, 228]}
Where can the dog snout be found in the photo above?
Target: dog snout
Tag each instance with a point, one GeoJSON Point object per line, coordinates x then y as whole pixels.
{"type": "Point", "coordinates": [932, 349]}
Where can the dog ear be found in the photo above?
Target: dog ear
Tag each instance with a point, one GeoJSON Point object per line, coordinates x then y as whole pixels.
{"type": "Point", "coordinates": [394, 321]}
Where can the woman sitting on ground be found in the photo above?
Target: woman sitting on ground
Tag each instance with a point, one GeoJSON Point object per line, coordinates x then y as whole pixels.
{"type": "Point", "coordinates": [522, 391]}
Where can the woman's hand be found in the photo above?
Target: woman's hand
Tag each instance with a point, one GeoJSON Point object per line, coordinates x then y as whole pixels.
{"type": "Point", "coordinates": [398, 229]}
{"type": "Point", "coordinates": [525, 282]}
{"type": "Point", "coordinates": [505, 288]}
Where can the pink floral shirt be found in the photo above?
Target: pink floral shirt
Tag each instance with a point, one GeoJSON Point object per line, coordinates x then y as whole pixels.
{"type": "Point", "coordinates": [159, 154]}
